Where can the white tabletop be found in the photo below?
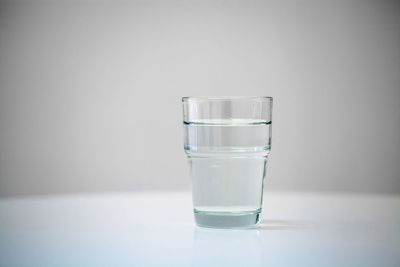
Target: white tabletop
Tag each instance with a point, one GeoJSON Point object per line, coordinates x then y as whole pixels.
{"type": "Point", "coordinates": [148, 229]}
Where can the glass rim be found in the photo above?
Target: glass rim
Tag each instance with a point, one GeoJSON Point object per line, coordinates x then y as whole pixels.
{"type": "Point", "coordinates": [227, 98]}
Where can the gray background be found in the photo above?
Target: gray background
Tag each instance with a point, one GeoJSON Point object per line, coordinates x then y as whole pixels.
{"type": "Point", "coordinates": [90, 90]}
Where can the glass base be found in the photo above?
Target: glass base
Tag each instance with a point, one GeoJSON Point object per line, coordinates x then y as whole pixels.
{"type": "Point", "coordinates": [227, 220]}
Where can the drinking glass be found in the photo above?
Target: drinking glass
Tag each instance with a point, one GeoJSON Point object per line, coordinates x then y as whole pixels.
{"type": "Point", "coordinates": [227, 142]}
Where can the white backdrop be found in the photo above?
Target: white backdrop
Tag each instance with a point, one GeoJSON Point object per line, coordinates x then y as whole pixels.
{"type": "Point", "coordinates": [90, 90]}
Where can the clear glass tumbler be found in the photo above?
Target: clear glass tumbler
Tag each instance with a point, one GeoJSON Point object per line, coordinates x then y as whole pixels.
{"type": "Point", "coordinates": [227, 142]}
